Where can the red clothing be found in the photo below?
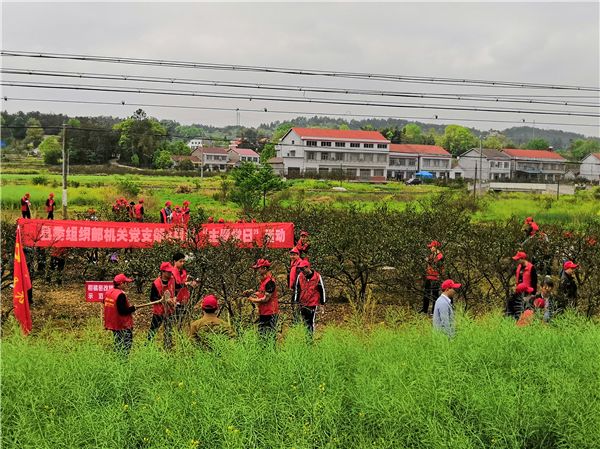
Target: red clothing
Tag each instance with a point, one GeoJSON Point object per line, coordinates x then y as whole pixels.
{"type": "Point", "coordinates": [272, 306]}
{"type": "Point", "coordinates": [113, 320]}
{"type": "Point", "coordinates": [434, 266]}
{"type": "Point", "coordinates": [138, 211]}
{"type": "Point", "coordinates": [293, 273]}
{"type": "Point", "coordinates": [25, 204]}
{"type": "Point", "coordinates": [310, 296]}
{"type": "Point", "coordinates": [183, 294]}
{"type": "Point", "coordinates": [50, 205]}
{"type": "Point", "coordinates": [186, 215]}
{"type": "Point", "coordinates": [526, 275]}
{"type": "Point", "coordinates": [159, 309]}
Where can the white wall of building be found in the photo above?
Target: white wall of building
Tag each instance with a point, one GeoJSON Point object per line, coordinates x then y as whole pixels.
{"type": "Point", "coordinates": [590, 168]}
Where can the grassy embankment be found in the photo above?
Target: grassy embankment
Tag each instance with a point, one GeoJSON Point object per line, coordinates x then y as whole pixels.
{"type": "Point", "coordinates": [493, 386]}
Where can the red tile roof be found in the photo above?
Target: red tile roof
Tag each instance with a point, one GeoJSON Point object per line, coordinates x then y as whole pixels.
{"type": "Point", "coordinates": [340, 134]}
{"type": "Point", "coordinates": [245, 152]}
{"type": "Point", "coordinates": [533, 154]}
{"type": "Point", "coordinates": [596, 155]}
{"type": "Point", "coordinates": [418, 149]}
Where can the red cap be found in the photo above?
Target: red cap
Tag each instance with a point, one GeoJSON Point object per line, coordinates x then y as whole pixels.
{"type": "Point", "coordinates": [524, 288]}
{"type": "Point", "coordinates": [166, 266]}
{"type": "Point", "coordinates": [141, 201]}
{"type": "Point", "coordinates": [304, 264]}
{"type": "Point", "coordinates": [260, 263]}
{"type": "Point", "coordinates": [221, 220]}
{"type": "Point", "coordinates": [210, 302]}
{"type": "Point", "coordinates": [528, 219]}
{"type": "Point", "coordinates": [253, 220]}
{"type": "Point", "coordinates": [211, 220]}
{"type": "Point", "coordinates": [27, 194]}
{"type": "Point", "coordinates": [303, 233]}
{"type": "Point", "coordinates": [51, 194]}
{"type": "Point", "coordinates": [569, 264]}
{"type": "Point", "coordinates": [539, 303]}
{"type": "Point", "coordinates": [520, 255]}
{"type": "Point", "coordinates": [121, 278]}
{"type": "Point", "coordinates": [434, 243]}
{"type": "Point", "coordinates": [168, 203]}
{"type": "Point", "coordinates": [186, 203]}
{"type": "Point", "coordinates": [294, 250]}
{"type": "Point", "coordinates": [449, 283]}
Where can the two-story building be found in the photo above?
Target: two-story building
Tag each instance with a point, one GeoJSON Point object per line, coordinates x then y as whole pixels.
{"type": "Point", "coordinates": [213, 158]}
{"type": "Point", "coordinates": [238, 156]}
{"type": "Point", "coordinates": [405, 160]}
{"type": "Point", "coordinates": [487, 164]}
{"type": "Point", "coordinates": [590, 167]}
{"type": "Point", "coordinates": [537, 165]}
{"type": "Point", "coordinates": [355, 153]}
{"type": "Point", "coordinates": [195, 144]}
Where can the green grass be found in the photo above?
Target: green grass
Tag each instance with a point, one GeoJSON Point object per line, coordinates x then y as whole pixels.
{"type": "Point", "coordinates": [494, 385]}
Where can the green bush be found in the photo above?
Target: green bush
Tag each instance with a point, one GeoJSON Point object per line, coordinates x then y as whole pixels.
{"type": "Point", "coordinates": [39, 180]}
{"type": "Point", "coordinates": [128, 186]}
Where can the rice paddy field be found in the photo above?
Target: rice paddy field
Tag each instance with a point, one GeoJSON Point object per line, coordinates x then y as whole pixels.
{"type": "Point", "coordinates": [493, 386]}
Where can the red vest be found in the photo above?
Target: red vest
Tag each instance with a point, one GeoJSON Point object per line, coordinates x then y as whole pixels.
{"type": "Point", "coordinates": [183, 295]}
{"type": "Point", "coordinates": [433, 273]}
{"type": "Point", "coordinates": [50, 205]}
{"type": "Point", "coordinates": [271, 307]}
{"type": "Point", "coordinates": [294, 273]}
{"type": "Point", "coordinates": [159, 309]}
{"type": "Point", "coordinates": [309, 293]}
{"type": "Point", "coordinates": [176, 217]}
{"type": "Point", "coordinates": [24, 204]}
{"type": "Point", "coordinates": [186, 215]}
{"type": "Point", "coordinates": [526, 274]}
{"type": "Point", "coordinates": [112, 319]}
{"type": "Point", "coordinates": [137, 209]}
{"type": "Point", "coordinates": [165, 218]}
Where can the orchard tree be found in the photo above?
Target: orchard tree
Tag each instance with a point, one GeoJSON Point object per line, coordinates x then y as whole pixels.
{"type": "Point", "coordinates": [179, 148]}
{"type": "Point", "coordinates": [162, 160]}
{"type": "Point", "coordinates": [140, 135]}
{"type": "Point", "coordinates": [412, 133]}
{"type": "Point", "coordinates": [253, 183]}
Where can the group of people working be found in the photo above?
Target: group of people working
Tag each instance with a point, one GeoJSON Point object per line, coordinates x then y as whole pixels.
{"type": "Point", "coordinates": [170, 300]}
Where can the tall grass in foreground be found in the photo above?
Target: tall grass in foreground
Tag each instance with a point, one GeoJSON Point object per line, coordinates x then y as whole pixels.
{"type": "Point", "coordinates": [494, 385]}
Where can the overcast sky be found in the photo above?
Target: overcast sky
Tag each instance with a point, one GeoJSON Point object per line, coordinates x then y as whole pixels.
{"type": "Point", "coordinates": [555, 43]}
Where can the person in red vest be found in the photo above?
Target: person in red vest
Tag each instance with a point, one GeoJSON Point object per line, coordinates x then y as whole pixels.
{"type": "Point", "coordinates": [433, 271]}
{"type": "Point", "coordinates": [166, 213]}
{"type": "Point", "coordinates": [50, 206]}
{"type": "Point", "coordinates": [138, 211]}
{"type": "Point", "coordinates": [221, 221]}
{"type": "Point", "coordinates": [26, 206]}
{"type": "Point", "coordinates": [177, 217]}
{"type": "Point", "coordinates": [182, 292]}
{"type": "Point", "coordinates": [530, 227]}
{"type": "Point", "coordinates": [266, 299]}
{"type": "Point", "coordinates": [303, 244]}
{"type": "Point", "coordinates": [210, 220]}
{"type": "Point", "coordinates": [294, 272]}
{"type": "Point", "coordinates": [185, 210]}
{"type": "Point", "coordinates": [526, 272]}
{"type": "Point", "coordinates": [309, 292]}
{"type": "Point", "coordinates": [118, 314]}
{"type": "Point", "coordinates": [163, 288]}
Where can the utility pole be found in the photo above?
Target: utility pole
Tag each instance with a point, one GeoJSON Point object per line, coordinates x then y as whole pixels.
{"type": "Point", "coordinates": [480, 165]}
{"type": "Point", "coordinates": [475, 182]}
{"type": "Point", "coordinates": [64, 171]}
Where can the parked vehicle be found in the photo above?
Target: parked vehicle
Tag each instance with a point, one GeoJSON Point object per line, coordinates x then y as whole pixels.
{"type": "Point", "coordinates": [413, 182]}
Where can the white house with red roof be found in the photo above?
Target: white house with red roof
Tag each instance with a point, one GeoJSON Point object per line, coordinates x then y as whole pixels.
{"type": "Point", "coordinates": [541, 165]}
{"type": "Point", "coordinates": [484, 164]}
{"type": "Point", "coordinates": [355, 153]}
{"type": "Point", "coordinates": [238, 156]}
{"type": "Point", "coordinates": [407, 159]}
{"type": "Point", "coordinates": [590, 167]}
{"type": "Point", "coordinates": [213, 158]}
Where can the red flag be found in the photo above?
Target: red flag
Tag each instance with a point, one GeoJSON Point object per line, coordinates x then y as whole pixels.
{"type": "Point", "coordinates": [21, 286]}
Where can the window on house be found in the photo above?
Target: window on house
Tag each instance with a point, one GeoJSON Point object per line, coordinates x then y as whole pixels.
{"type": "Point", "coordinates": [340, 144]}
{"type": "Point", "coordinates": [378, 172]}
{"type": "Point", "coordinates": [381, 158]}
{"type": "Point", "coordinates": [354, 145]}
{"type": "Point", "coordinates": [311, 143]}
{"type": "Point", "coordinates": [368, 145]}
{"type": "Point", "coordinates": [293, 142]}
{"type": "Point", "coordinates": [402, 162]}
{"type": "Point", "coordinates": [412, 162]}
{"type": "Point", "coordinates": [382, 145]}
{"type": "Point", "coordinates": [310, 155]}
{"type": "Point", "coordinates": [324, 156]}
{"type": "Point", "coordinates": [293, 153]}
{"type": "Point", "coordinates": [368, 158]}
{"type": "Point", "coordinates": [339, 156]}
{"type": "Point", "coordinates": [325, 144]}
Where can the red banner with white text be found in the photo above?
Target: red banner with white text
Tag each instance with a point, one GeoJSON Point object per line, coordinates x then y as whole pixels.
{"type": "Point", "coordinates": [110, 234]}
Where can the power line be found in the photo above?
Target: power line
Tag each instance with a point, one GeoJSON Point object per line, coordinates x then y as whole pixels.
{"type": "Point", "coordinates": [250, 97]}
{"type": "Point", "coordinates": [278, 111]}
{"type": "Point", "coordinates": [295, 71]}
{"type": "Point", "coordinates": [297, 88]}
